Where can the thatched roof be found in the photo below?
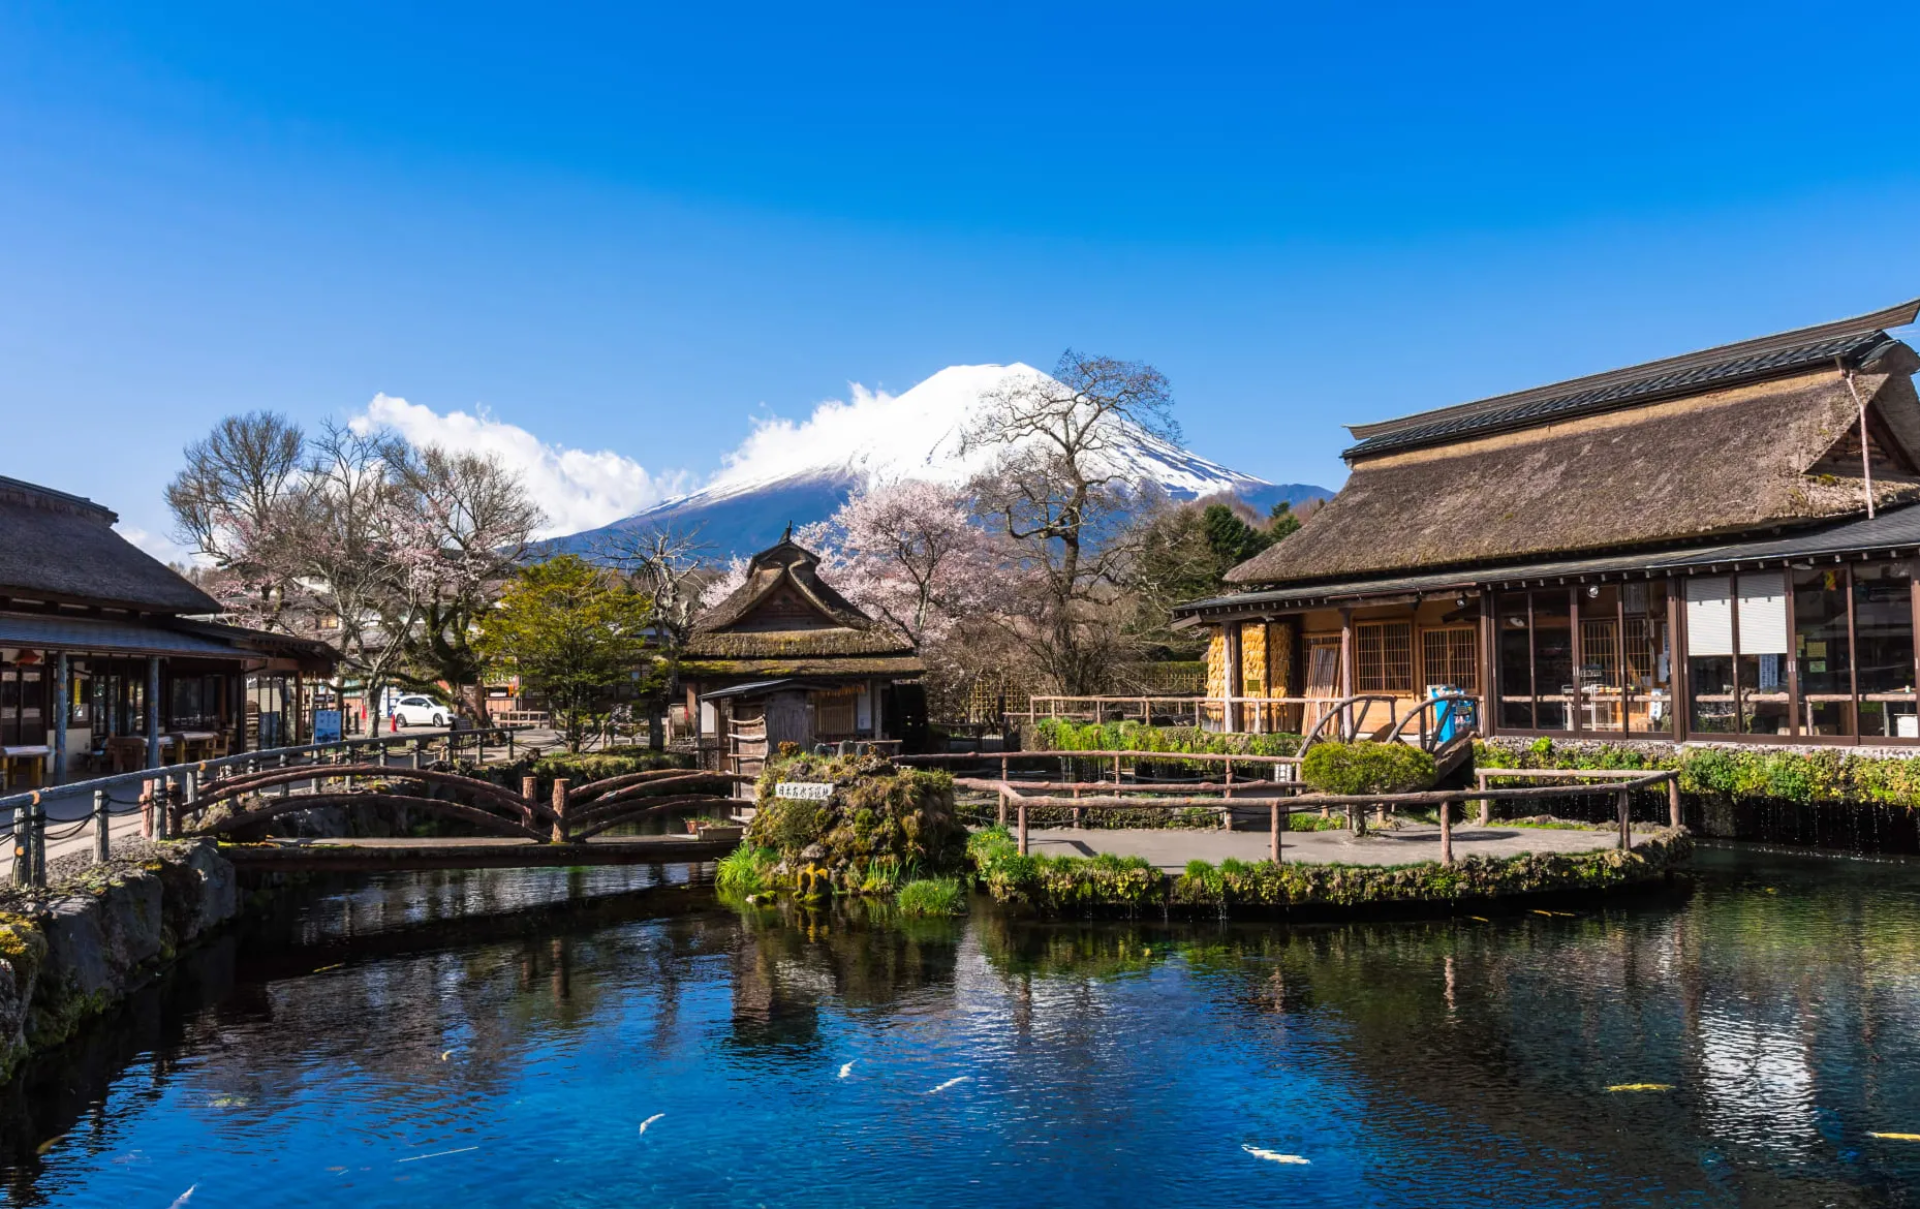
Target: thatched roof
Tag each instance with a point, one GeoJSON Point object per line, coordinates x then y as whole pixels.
{"type": "Point", "coordinates": [1740, 464]}
{"type": "Point", "coordinates": [1770, 446]}
{"type": "Point", "coordinates": [60, 547]}
{"type": "Point", "coordinates": [787, 621]}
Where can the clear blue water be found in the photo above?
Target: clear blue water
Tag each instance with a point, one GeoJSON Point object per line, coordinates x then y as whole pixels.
{"type": "Point", "coordinates": [792, 1060]}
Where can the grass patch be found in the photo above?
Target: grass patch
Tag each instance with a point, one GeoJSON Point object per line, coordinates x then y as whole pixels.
{"type": "Point", "coordinates": [932, 896]}
{"type": "Point", "coordinates": [746, 870]}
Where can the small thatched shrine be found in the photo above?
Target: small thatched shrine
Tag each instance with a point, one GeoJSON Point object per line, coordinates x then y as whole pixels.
{"type": "Point", "coordinates": [787, 659]}
{"type": "Point", "coordinates": [1721, 544]}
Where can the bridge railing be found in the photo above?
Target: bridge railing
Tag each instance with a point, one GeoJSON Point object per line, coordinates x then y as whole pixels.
{"type": "Point", "coordinates": [57, 814]}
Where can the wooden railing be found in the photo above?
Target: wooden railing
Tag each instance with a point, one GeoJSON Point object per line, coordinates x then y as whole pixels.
{"type": "Point", "coordinates": [1254, 715]}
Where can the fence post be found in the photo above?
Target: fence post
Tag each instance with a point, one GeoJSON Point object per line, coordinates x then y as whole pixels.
{"type": "Point", "coordinates": [1486, 804]}
{"type": "Point", "coordinates": [1673, 800]}
{"type": "Point", "coordinates": [38, 829]}
{"type": "Point", "coordinates": [1273, 822]}
{"type": "Point", "coordinates": [146, 810]}
{"type": "Point", "coordinates": [22, 847]}
{"type": "Point", "coordinates": [560, 809]}
{"type": "Point", "coordinates": [1446, 833]}
{"type": "Point", "coordinates": [1626, 827]}
{"type": "Point", "coordinates": [509, 745]}
{"type": "Point", "coordinates": [102, 821]}
{"type": "Point", "coordinates": [1076, 809]}
{"type": "Point", "coordinates": [1023, 826]}
{"type": "Point", "coordinates": [528, 787]}
{"type": "Point", "coordinates": [1003, 804]}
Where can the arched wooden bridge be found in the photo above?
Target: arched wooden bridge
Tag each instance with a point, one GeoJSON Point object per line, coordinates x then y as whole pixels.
{"type": "Point", "coordinates": [566, 827]}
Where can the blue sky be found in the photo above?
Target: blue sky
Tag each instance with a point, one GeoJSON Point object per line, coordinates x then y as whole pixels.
{"type": "Point", "coordinates": [635, 229]}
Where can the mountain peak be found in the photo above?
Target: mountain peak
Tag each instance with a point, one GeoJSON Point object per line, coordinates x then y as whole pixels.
{"type": "Point", "coordinates": [802, 471]}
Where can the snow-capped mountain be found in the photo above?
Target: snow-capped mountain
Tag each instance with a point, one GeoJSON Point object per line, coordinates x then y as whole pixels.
{"type": "Point", "coordinates": [798, 473]}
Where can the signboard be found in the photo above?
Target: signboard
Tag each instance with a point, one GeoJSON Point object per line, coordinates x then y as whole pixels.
{"type": "Point", "coordinates": [326, 726]}
{"type": "Point", "coordinates": [805, 791]}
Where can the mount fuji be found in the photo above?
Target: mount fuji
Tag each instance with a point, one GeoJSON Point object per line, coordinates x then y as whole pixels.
{"type": "Point", "coordinates": [797, 473]}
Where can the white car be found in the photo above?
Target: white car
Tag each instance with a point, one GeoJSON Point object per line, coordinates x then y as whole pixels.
{"type": "Point", "coordinates": [420, 711]}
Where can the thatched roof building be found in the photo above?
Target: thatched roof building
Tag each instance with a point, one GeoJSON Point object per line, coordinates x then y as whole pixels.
{"type": "Point", "coordinates": [786, 658]}
{"type": "Point", "coordinates": [99, 647]}
{"type": "Point", "coordinates": [1555, 542]}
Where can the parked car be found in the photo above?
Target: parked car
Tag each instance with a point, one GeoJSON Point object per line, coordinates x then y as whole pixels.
{"type": "Point", "coordinates": [421, 711]}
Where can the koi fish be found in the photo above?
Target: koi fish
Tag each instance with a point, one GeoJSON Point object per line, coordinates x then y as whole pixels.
{"type": "Point", "coordinates": [1895, 1137]}
{"type": "Point", "coordinates": [438, 1154]}
{"type": "Point", "coordinates": [448, 1054]}
{"type": "Point", "coordinates": [1273, 1156]}
{"type": "Point", "coordinates": [1641, 1087]}
{"type": "Point", "coordinates": [947, 1084]}
{"type": "Point", "coordinates": [650, 1120]}
{"type": "Point", "coordinates": [1479, 919]}
{"type": "Point", "coordinates": [180, 1202]}
{"type": "Point", "coordinates": [847, 1069]}
{"type": "Point", "coordinates": [338, 965]}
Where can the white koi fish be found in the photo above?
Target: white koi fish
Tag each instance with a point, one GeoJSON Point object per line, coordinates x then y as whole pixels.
{"type": "Point", "coordinates": [947, 1084]}
{"type": "Point", "coordinates": [180, 1202]}
{"type": "Point", "coordinates": [650, 1120]}
{"type": "Point", "coordinates": [1273, 1156]}
{"type": "Point", "coordinates": [847, 1069]}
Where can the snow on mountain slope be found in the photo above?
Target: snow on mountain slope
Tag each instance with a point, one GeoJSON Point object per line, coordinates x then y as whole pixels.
{"type": "Point", "coordinates": [799, 472]}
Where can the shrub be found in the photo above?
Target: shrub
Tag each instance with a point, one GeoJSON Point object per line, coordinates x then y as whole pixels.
{"type": "Point", "coordinates": [746, 870]}
{"type": "Point", "coordinates": [1366, 768]}
{"type": "Point", "coordinates": [877, 810]}
{"type": "Point", "coordinates": [1067, 736]}
{"type": "Point", "coordinates": [933, 896]}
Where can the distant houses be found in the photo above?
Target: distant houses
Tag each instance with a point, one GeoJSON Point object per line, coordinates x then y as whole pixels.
{"type": "Point", "coordinates": [106, 660]}
{"type": "Point", "coordinates": [1720, 545]}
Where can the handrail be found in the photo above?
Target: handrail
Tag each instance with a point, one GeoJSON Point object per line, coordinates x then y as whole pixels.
{"type": "Point", "coordinates": [1343, 708]}
{"type": "Point", "coordinates": [32, 797]}
{"type": "Point", "coordinates": [1426, 706]}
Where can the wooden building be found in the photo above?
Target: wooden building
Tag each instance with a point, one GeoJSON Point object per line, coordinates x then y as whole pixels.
{"type": "Point", "coordinates": [1721, 545]}
{"type": "Point", "coordinates": [103, 663]}
{"type": "Point", "coordinates": [786, 658]}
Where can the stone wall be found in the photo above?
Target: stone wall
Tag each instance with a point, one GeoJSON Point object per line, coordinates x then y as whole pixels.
{"type": "Point", "coordinates": [74, 950]}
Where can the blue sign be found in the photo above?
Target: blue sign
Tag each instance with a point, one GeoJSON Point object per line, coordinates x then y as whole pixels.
{"type": "Point", "coordinates": [326, 726]}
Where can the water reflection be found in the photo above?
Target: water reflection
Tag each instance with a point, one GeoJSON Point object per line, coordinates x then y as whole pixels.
{"type": "Point", "coordinates": [796, 1057]}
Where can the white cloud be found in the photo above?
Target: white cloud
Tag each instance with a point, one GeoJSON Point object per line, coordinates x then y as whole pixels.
{"type": "Point", "coordinates": [159, 545]}
{"type": "Point", "coordinates": [577, 489]}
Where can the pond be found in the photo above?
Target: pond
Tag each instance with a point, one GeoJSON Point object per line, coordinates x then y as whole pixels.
{"type": "Point", "coordinates": [381, 1046]}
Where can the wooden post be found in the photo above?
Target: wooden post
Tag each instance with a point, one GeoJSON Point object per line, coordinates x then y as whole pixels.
{"type": "Point", "coordinates": [1673, 800]}
{"type": "Point", "coordinates": [1446, 833]}
{"type": "Point", "coordinates": [528, 787]}
{"type": "Point", "coordinates": [1486, 804]}
{"type": "Point", "coordinates": [1116, 770]}
{"type": "Point", "coordinates": [153, 713]}
{"type": "Point", "coordinates": [1273, 823]}
{"type": "Point", "coordinates": [560, 809]}
{"type": "Point", "coordinates": [101, 821]}
{"type": "Point", "coordinates": [1626, 828]}
{"type": "Point", "coordinates": [22, 846]}
{"type": "Point", "coordinates": [62, 698]}
{"type": "Point", "coordinates": [1023, 826]}
{"type": "Point", "coordinates": [146, 809]}
{"type": "Point", "coordinates": [1076, 809]}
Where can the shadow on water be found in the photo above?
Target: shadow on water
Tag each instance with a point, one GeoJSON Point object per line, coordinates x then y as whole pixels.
{"type": "Point", "coordinates": [1735, 1044]}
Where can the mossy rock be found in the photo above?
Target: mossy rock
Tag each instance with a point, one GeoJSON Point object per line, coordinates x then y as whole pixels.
{"type": "Point", "coordinates": [878, 809]}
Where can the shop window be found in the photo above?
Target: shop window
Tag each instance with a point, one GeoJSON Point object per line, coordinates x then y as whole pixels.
{"type": "Point", "coordinates": [1824, 651]}
{"type": "Point", "coordinates": [1383, 657]}
{"type": "Point", "coordinates": [1515, 652]}
{"type": "Point", "coordinates": [1710, 654]}
{"type": "Point", "coordinates": [1883, 629]}
{"type": "Point", "coordinates": [1451, 657]}
{"type": "Point", "coordinates": [1553, 671]}
{"type": "Point", "coordinates": [1761, 637]}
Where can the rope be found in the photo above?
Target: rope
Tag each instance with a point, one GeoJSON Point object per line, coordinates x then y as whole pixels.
{"type": "Point", "coordinates": [52, 837]}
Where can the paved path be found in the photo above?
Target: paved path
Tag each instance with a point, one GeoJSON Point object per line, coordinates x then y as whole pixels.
{"type": "Point", "coordinates": [1172, 849]}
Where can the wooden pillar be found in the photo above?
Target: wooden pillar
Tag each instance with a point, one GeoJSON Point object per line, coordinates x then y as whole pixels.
{"type": "Point", "coordinates": [1230, 681]}
{"type": "Point", "coordinates": [1673, 800]}
{"type": "Point", "coordinates": [1486, 804]}
{"type": "Point", "coordinates": [153, 711]}
{"type": "Point", "coordinates": [1023, 826]}
{"type": "Point", "coordinates": [61, 691]}
{"type": "Point", "coordinates": [1446, 833]}
{"type": "Point", "coordinates": [1273, 824]}
{"type": "Point", "coordinates": [528, 787]}
{"type": "Point", "coordinates": [560, 809]}
{"type": "Point", "coordinates": [1626, 827]}
{"type": "Point", "coordinates": [1346, 652]}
